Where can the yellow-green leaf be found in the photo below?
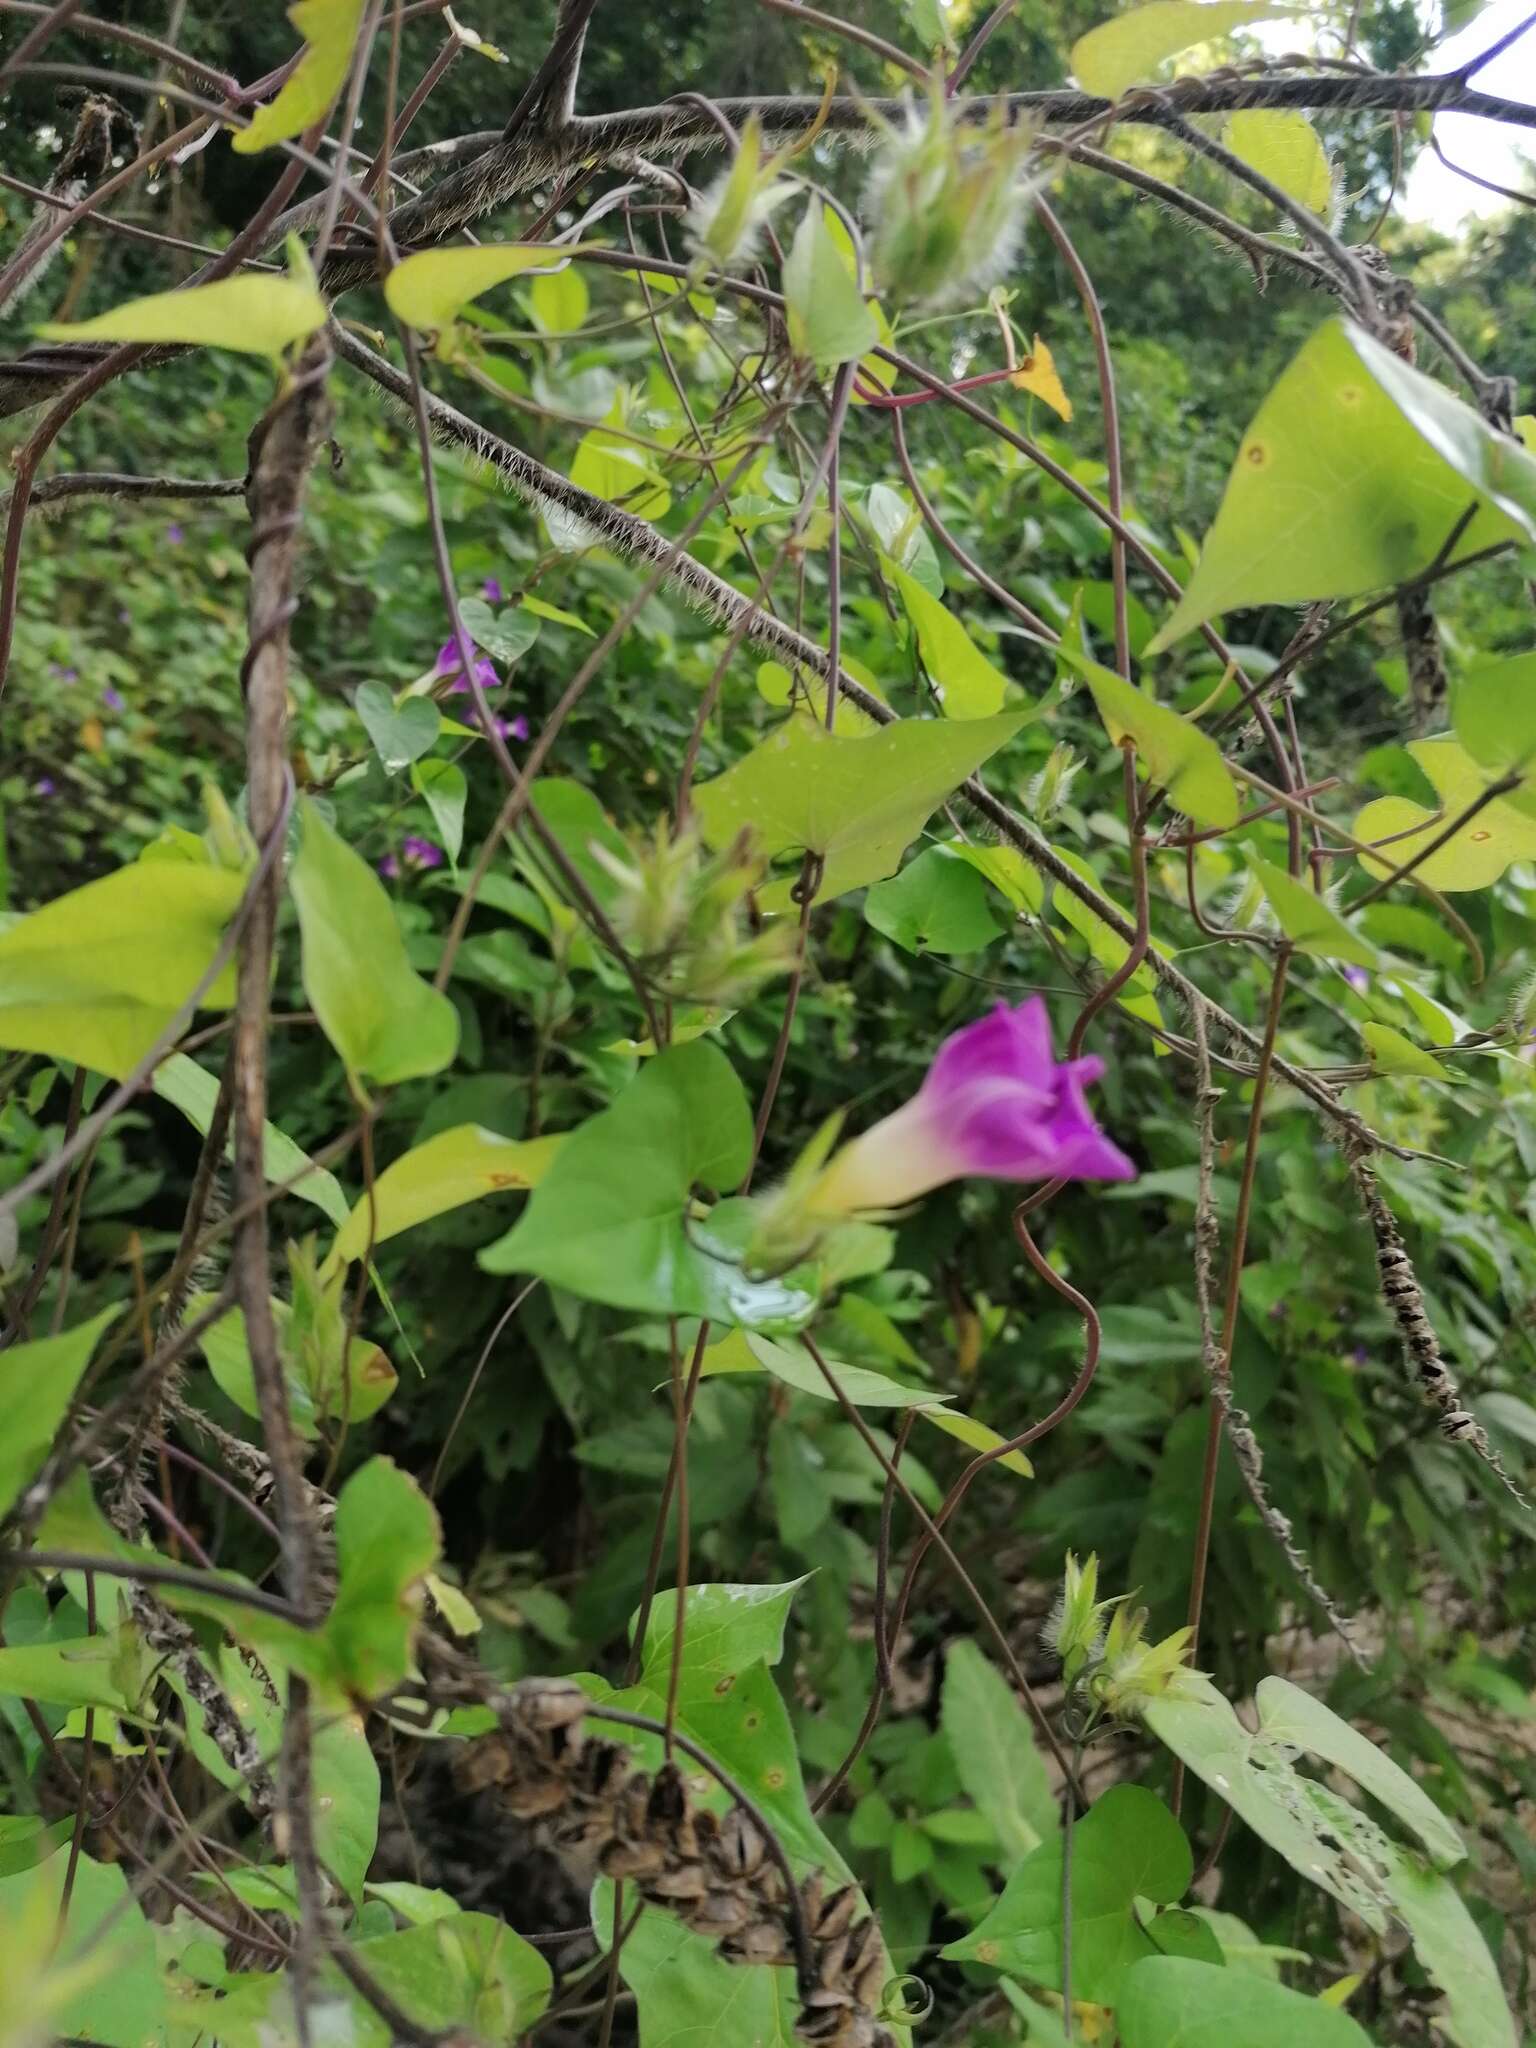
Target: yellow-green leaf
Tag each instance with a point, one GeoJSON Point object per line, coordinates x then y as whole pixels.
{"type": "Point", "coordinates": [829, 321]}
{"type": "Point", "coordinates": [978, 1436]}
{"type": "Point", "coordinates": [610, 467]}
{"type": "Point", "coordinates": [1392, 1053]}
{"type": "Point", "coordinates": [430, 289]}
{"type": "Point", "coordinates": [455, 1167]}
{"type": "Point", "coordinates": [1038, 375]}
{"type": "Point", "coordinates": [318, 1387]}
{"type": "Point", "coordinates": [1130, 48]}
{"type": "Point", "coordinates": [1353, 475]}
{"type": "Point", "coordinates": [1477, 853]}
{"type": "Point", "coordinates": [329, 29]}
{"type": "Point", "coordinates": [37, 1383]}
{"type": "Point", "coordinates": [559, 300]}
{"type": "Point", "coordinates": [258, 316]}
{"type": "Point", "coordinates": [1007, 870]}
{"type": "Point", "coordinates": [194, 1091]}
{"type": "Point", "coordinates": [1172, 750]}
{"type": "Point", "coordinates": [384, 1020]}
{"type": "Point", "coordinates": [968, 685]}
{"type": "Point", "coordinates": [865, 1389]}
{"type": "Point", "coordinates": [1311, 925]}
{"type": "Point", "coordinates": [98, 975]}
{"type": "Point", "coordinates": [1284, 147]}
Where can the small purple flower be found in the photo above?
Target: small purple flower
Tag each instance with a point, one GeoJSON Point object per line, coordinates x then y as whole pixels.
{"type": "Point", "coordinates": [995, 1104]}
{"type": "Point", "coordinates": [1357, 978]}
{"type": "Point", "coordinates": [449, 664]}
{"type": "Point", "coordinates": [420, 853]}
{"type": "Point", "coordinates": [63, 674]}
{"type": "Point", "coordinates": [114, 699]}
{"type": "Point", "coordinates": [1360, 1355]}
{"type": "Point", "coordinates": [504, 728]}
{"type": "Point", "coordinates": [174, 534]}
{"type": "Point", "coordinates": [389, 867]}
{"type": "Point", "coordinates": [44, 786]}
{"type": "Point", "coordinates": [491, 590]}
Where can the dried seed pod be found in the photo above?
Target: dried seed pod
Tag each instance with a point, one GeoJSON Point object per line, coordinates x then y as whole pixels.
{"type": "Point", "coordinates": [547, 1703]}
{"type": "Point", "coordinates": [763, 1941]}
{"type": "Point", "coordinates": [834, 1914]}
{"type": "Point", "coordinates": [537, 1798]}
{"type": "Point", "coordinates": [719, 1914]}
{"type": "Point", "coordinates": [686, 1881]}
{"type": "Point", "coordinates": [630, 1859]}
{"type": "Point", "coordinates": [739, 1846]}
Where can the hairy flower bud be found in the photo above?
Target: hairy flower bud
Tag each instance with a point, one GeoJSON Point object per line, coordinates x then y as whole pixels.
{"type": "Point", "coordinates": [725, 220]}
{"type": "Point", "coordinates": [1051, 788]}
{"type": "Point", "coordinates": [1075, 1630]}
{"type": "Point", "coordinates": [682, 914]}
{"type": "Point", "coordinates": [947, 203]}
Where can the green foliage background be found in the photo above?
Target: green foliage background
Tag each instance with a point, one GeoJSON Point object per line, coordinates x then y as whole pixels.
{"type": "Point", "coordinates": [123, 703]}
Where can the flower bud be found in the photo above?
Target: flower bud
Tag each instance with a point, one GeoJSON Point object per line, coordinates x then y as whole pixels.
{"type": "Point", "coordinates": [1052, 787]}
{"type": "Point", "coordinates": [229, 843]}
{"type": "Point", "coordinates": [724, 222]}
{"type": "Point", "coordinates": [1133, 1671]}
{"type": "Point", "coordinates": [947, 204]}
{"type": "Point", "coordinates": [1075, 1630]}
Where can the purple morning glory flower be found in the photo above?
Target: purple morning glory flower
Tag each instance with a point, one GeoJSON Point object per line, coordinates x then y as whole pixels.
{"type": "Point", "coordinates": [449, 664]}
{"type": "Point", "coordinates": [114, 699]}
{"type": "Point", "coordinates": [389, 867]}
{"type": "Point", "coordinates": [491, 590]}
{"type": "Point", "coordinates": [63, 674]}
{"type": "Point", "coordinates": [174, 534]}
{"type": "Point", "coordinates": [420, 853]}
{"type": "Point", "coordinates": [44, 786]}
{"type": "Point", "coordinates": [995, 1104]}
{"type": "Point", "coordinates": [1357, 978]}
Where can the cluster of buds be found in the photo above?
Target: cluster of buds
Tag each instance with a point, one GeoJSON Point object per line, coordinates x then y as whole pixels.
{"type": "Point", "coordinates": [947, 203]}
{"type": "Point", "coordinates": [715, 1872]}
{"type": "Point", "coordinates": [683, 914]}
{"type": "Point", "coordinates": [1108, 1667]}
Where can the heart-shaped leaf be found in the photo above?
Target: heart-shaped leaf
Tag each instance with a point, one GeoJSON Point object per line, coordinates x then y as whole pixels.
{"type": "Point", "coordinates": [1477, 853]}
{"type": "Point", "coordinates": [858, 800]}
{"type": "Point", "coordinates": [937, 904]}
{"type": "Point", "coordinates": [609, 1220]}
{"type": "Point", "coordinates": [1127, 1846]}
{"type": "Point", "coordinates": [1353, 475]}
{"type": "Point", "coordinates": [401, 733]}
